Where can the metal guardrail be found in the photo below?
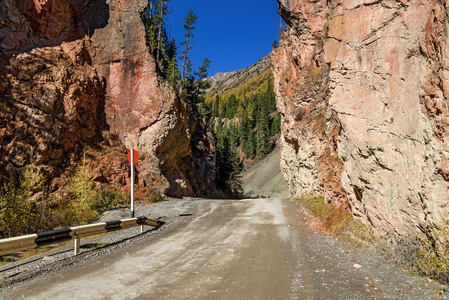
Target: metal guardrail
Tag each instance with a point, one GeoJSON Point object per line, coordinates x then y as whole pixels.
{"type": "Point", "coordinates": [15, 244]}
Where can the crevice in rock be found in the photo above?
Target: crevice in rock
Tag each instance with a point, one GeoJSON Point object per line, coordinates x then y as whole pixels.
{"type": "Point", "coordinates": [357, 192]}
{"type": "Point", "coordinates": [294, 143]}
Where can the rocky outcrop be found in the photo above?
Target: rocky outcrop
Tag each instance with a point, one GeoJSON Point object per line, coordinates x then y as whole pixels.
{"type": "Point", "coordinates": [198, 169]}
{"type": "Point", "coordinates": [142, 109]}
{"type": "Point", "coordinates": [309, 157]}
{"type": "Point", "coordinates": [49, 106]}
{"type": "Point", "coordinates": [85, 64]}
{"type": "Point", "coordinates": [362, 86]}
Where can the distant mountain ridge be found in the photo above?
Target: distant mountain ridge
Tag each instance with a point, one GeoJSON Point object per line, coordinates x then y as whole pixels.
{"type": "Point", "coordinates": [226, 83]}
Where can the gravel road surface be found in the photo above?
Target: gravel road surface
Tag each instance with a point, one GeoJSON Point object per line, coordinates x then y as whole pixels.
{"type": "Point", "coordinates": [226, 249]}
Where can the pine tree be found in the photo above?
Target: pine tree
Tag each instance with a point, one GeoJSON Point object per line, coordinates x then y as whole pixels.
{"type": "Point", "coordinates": [189, 93]}
{"type": "Point", "coordinates": [234, 182]}
{"type": "Point", "coordinates": [250, 147]}
{"type": "Point", "coordinates": [201, 84]}
{"type": "Point", "coordinates": [156, 37]}
{"type": "Point", "coordinates": [173, 74]}
{"type": "Point", "coordinates": [276, 124]}
{"type": "Point", "coordinates": [189, 21]}
{"type": "Point", "coordinates": [227, 161]}
{"type": "Point", "coordinates": [172, 71]}
{"type": "Point", "coordinates": [161, 12]}
{"type": "Point", "coordinates": [263, 134]}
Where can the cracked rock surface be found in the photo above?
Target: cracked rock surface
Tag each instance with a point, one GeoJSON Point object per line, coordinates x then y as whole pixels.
{"type": "Point", "coordinates": [362, 87]}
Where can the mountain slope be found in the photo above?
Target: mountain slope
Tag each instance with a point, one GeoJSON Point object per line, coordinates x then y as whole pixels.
{"type": "Point", "coordinates": [242, 82]}
{"type": "Point", "coordinates": [265, 179]}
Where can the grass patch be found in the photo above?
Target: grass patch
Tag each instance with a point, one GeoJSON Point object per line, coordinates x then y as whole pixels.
{"type": "Point", "coordinates": [110, 197]}
{"type": "Point", "coordinates": [153, 196]}
{"type": "Point", "coordinates": [337, 220]}
{"type": "Point", "coordinates": [334, 219]}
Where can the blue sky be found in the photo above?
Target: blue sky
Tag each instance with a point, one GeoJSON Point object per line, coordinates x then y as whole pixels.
{"type": "Point", "coordinates": [233, 34]}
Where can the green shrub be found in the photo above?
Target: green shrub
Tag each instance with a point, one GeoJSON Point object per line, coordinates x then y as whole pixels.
{"type": "Point", "coordinates": [19, 212]}
{"type": "Point", "coordinates": [79, 205]}
{"type": "Point", "coordinates": [109, 198]}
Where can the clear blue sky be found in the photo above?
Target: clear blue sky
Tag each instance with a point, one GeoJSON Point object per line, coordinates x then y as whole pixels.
{"type": "Point", "coordinates": [233, 34]}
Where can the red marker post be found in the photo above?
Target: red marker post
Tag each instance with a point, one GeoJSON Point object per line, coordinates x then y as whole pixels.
{"type": "Point", "coordinates": [133, 157]}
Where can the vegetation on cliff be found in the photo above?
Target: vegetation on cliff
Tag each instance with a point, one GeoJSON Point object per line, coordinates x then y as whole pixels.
{"type": "Point", "coordinates": [190, 84]}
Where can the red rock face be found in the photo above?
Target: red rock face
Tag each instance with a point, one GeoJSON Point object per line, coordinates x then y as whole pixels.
{"type": "Point", "coordinates": [386, 94]}
{"type": "Point", "coordinates": [141, 108]}
{"type": "Point", "coordinates": [48, 18]}
{"type": "Point", "coordinates": [49, 107]}
{"type": "Point", "coordinates": [105, 38]}
{"type": "Point", "coordinates": [27, 24]}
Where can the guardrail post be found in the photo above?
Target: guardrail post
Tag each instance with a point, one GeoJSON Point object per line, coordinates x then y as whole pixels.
{"type": "Point", "coordinates": [77, 245]}
{"type": "Point", "coordinates": [142, 229]}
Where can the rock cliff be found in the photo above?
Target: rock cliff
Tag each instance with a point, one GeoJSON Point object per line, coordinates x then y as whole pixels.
{"type": "Point", "coordinates": [70, 69]}
{"type": "Point", "coordinates": [363, 87]}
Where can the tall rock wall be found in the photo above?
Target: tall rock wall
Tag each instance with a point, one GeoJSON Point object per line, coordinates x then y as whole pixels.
{"type": "Point", "coordinates": [382, 90]}
{"type": "Point", "coordinates": [52, 99]}
{"type": "Point", "coordinates": [121, 89]}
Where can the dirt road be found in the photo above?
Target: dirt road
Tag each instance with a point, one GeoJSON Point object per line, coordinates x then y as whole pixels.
{"type": "Point", "coordinates": [249, 249]}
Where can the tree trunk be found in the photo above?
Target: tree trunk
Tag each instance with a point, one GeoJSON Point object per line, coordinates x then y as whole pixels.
{"type": "Point", "coordinates": [161, 8]}
{"type": "Point", "coordinates": [184, 66]}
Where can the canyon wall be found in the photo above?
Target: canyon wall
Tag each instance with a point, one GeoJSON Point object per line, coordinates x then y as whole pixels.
{"type": "Point", "coordinates": [362, 87]}
{"type": "Point", "coordinates": [83, 67]}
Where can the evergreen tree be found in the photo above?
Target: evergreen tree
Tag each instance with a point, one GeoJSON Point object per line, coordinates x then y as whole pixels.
{"type": "Point", "coordinates": [172, 71]}
{"type": "Point", "coordinates": [250, 147]}
{"type": "Point", "coordinates": [263, 134]}
{"type": "Point", "coordinates": [189, 92]}
{"type": "Point", "coordinates": [227, 161]}
{"type": "Point", "coordinates": [276, 124]}
{"type": "Point", "coordinates": [234, 183]}
{"type": "Point", "coordinates": [189, 21]}
{"type": "Point", "coordinates": [160, 13]}
{"type": "Point", "coordinates": [150, 27]}
{"type": "Point", "coordinates": [173, 74]}
{"type": "Point", "coordinates": [201, 84]}
{"type": "Point", "coordinates": [154, 21]}
{"type": "Point", "coordinates": [201, 74]}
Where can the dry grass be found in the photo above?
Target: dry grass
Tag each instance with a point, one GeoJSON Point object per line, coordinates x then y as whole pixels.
{"type": "Point", "coordinates": [337, 220]}
{"type": "Point", "coordinates": [423, 255]}
{"type": "Point", "coordinates": [426, 255]}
